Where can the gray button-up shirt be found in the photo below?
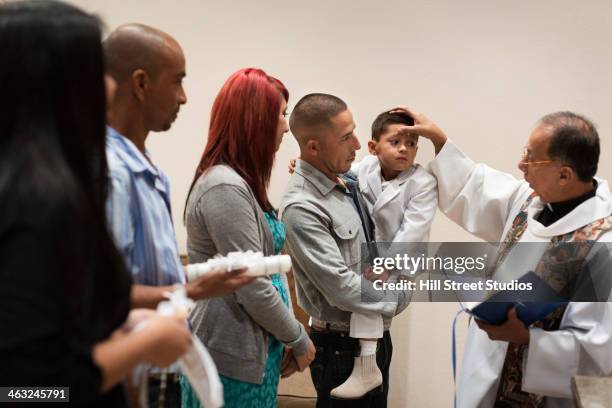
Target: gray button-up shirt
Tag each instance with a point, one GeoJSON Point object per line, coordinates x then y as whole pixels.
{"type": "Point", "coordinates": [324, 238]}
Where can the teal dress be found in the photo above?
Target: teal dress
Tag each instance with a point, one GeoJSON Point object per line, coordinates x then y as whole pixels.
{"type": "Point", "coordinates": [242, 394]}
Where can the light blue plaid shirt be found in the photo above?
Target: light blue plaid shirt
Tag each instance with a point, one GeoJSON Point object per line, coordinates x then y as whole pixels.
{"type": "Point", "coordinates": [139, 215]}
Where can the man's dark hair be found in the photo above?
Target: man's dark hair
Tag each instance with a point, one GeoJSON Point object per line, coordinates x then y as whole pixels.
{"type": "Point", "coordinates": [574, 142]}
{"type": "Point", "coordinates": [385, 119]}
{"type": "Point", "coordinates": [315, 110]}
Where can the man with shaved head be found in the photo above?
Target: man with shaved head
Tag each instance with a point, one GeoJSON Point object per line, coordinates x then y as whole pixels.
{"type": "Point", "coordinates": [148, 67]}
{"type": "Point", "coordinates": [327, 223]}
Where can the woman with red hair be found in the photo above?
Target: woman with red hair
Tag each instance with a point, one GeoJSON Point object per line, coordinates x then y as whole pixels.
{"type": "Point", "coordinates": [228, 210]}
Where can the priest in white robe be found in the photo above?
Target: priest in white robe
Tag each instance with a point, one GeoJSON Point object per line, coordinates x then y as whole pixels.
{"type": "Point", "coordinates": [560, 199]}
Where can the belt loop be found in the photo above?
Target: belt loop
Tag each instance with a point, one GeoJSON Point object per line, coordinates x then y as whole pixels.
{"type": "Point", "coordinates": [327, 328]}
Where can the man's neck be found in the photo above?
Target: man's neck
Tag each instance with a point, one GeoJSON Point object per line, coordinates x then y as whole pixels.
{"type": "Point", "coordinates": [332, 176]}
{"type": "Point", "coordinates": [555, 211]}
{"type": "Point", "coordinates": [127, 125]}
{"type": "Point", "coordinates": [576, 191]}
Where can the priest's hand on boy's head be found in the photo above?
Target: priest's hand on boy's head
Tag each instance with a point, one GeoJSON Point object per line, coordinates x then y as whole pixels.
{"type": "Point", "coordinates": [423, 126]}
{"type": "Point", "coordinates": [512, 330]}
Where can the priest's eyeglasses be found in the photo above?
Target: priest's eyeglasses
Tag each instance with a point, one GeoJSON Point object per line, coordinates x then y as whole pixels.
{"type": "Point", "coordinates": [526, 160]}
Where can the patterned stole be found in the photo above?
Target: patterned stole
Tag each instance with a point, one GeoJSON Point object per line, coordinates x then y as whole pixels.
{"type": "Point", "coordinates": [562, 260]}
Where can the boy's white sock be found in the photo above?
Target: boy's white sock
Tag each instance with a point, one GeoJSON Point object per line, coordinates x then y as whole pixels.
{"type": "Point", "coordinates": [368, 347]}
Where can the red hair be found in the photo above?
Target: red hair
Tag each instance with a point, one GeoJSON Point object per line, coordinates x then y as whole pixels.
{"type": "Point", "coordinates": [242, 131]}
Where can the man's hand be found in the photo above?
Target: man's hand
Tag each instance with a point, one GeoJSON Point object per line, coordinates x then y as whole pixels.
{"type": "Point", "coordinates": [370, 275]}
{"type": "Point", "coordinates": [422, 127]}
{"type": "Point", "coordinates": [512, 330]}
{"type": "Point", "coordinates": [217, 283]}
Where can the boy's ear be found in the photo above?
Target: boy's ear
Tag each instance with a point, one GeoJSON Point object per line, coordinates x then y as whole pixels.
{"type": "Point", "coordinates": [372, 146]}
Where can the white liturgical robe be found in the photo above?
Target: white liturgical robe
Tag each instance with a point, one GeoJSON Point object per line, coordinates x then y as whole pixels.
{"type": "Point", "coordinates": [485, 201]}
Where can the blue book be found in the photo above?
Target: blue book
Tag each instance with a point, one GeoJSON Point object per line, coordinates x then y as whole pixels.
{"type": "Point", "coordinates": [531, 305]}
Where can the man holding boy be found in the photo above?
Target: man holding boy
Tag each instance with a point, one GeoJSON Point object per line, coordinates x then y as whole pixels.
{"type": "Point", "coordinates": [327, 223]}
{"type": "Point", "coordinates": [401, 198]}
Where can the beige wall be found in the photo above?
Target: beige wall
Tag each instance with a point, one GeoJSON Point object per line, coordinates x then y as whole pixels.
{"type": "Point", "coordinates": [485, 71]}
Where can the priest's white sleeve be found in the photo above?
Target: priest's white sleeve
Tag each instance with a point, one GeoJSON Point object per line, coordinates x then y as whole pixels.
{"type": "Point", "coordinates": [583, 346]}
{"type": "Point", "coordinates": [475, 196]}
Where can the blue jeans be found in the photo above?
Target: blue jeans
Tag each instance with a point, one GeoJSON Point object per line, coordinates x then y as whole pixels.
{"type": "Point", "coordinates": [333, 364]}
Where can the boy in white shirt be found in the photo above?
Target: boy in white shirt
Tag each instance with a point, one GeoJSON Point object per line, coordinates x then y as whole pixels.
{"type": "Point", "coordinates": [402, 198]}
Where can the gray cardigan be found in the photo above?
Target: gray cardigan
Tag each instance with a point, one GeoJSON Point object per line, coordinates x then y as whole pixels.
{"type": "Point", "coordinates": [223, 216]}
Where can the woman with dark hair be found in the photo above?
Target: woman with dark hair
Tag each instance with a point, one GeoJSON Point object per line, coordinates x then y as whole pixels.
{"type": "Point", "coordinates": [228, 210]}
{"type": "Point", "coordinates": [64, 290]}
